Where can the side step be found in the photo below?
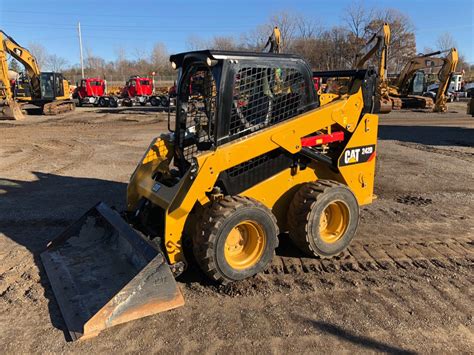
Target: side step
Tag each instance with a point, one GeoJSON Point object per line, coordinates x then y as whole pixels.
{"type": "Point", "coordinates": [103, 273]}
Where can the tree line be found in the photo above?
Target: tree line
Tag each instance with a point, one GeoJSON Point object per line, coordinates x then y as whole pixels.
{"type": "Point", "coordinates": [324, 48]}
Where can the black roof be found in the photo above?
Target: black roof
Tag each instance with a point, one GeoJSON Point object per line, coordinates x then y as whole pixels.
{"type": "Point", "coordinates": [218, 54]}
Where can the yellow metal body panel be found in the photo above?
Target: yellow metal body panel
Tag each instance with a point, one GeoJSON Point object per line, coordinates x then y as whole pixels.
{"type": "Point", "coordinates": [326, 98]}
{"type": "Point", "coordinates": [275, 192]}
{"type": "Point", "coordinates": [360, 177]}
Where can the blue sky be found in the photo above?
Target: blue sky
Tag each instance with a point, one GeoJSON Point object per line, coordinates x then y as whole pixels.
{"type": "Point", "coordinates": [137, 25]}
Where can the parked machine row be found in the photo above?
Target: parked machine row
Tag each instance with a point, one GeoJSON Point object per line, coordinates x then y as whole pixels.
{"type": "Point", "coordinates": [137, 90]}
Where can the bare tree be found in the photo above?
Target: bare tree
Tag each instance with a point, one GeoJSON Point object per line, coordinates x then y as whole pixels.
{"type": "Point", "coordinates": [160, 59]}
{"type": "Point", "coordinates": [121, 63]}
{"type": "Point", "coordinates": [357, 18]}
{"type": "Point", "coordinates": [120, 54]}
{"type": "Point", "coordinates": [255, 39]}
{"type": "Point", "coordinates": [140, 53]}
{"type": "Point", "coordinates": [56, 63]}
{"type": "Point", "coordinates": [445, 41]}
{"type": "Point", "coordinates": [224, 43]}
{"type": "Point", "coordinates": [40, 53]}
{"type": "Point", "coordinates": [402, 37]}
{"type": "Point", "coordinates": [194, 43]}
{"type": "Point", "coordinates": [307, 28]}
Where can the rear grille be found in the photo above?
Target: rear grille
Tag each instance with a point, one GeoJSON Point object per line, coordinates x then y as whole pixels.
{"type": "Point", "coordinates": [247, 174]}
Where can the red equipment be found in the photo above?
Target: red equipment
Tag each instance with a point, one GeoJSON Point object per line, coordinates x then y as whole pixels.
{"type": "Point", "coordinates": [322, 139]}
{"type": "Point", "coordinates": [137, 86]}
{"type": "Point", "coordinates": [91, 91]}
{"type": "Point", "coordinates": [138, 90]}
{"type": "Point", "coordinates": [317, 83]}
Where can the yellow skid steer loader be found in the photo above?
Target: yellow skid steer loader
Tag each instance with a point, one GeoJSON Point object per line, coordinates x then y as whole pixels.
{"type": "Point", "coordinates": [252, 154]}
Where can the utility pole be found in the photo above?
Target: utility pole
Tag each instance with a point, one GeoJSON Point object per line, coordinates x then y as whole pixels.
{"type": "Point", "coordinates": [80, 47]}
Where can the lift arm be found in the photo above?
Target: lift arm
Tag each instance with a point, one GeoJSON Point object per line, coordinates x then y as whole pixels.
{"type": "Point", "coordinates": [378, 45]}
{"type": "Point", "coordinates": [445, 74]}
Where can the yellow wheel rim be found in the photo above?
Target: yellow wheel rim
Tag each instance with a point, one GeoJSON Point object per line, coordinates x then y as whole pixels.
{"type": "Point", "coordinates": [244, 245]}
{"type": "Point", "coordinates": [333, 222]}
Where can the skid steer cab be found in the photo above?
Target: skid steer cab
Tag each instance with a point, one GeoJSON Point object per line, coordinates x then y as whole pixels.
{"type": "Point", "coordinates": [252, 155]}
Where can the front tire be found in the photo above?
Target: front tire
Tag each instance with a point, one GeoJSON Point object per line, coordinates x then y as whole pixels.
{"type": "Point", "coordinates": [323, 218]}
{"type": "Point", "coordinates": [236, 239]}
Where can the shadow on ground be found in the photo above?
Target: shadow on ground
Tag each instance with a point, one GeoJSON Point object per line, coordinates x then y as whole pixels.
{"type": "Point", "coordinates": [34, 212]}
{"type": "Point", "coordinates": [366, 342]}
{"type": "Point", "coordinates": [430, 135]}
{"type": "Point", "coordinates": [137, 110]}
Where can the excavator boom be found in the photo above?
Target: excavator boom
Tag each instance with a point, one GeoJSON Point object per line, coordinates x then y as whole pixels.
{"type": "Point", "coordinates": [445, 74]}
{"type": "Point", "coordinates": [10, 109]}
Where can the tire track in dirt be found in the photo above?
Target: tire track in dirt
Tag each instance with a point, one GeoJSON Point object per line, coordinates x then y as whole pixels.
{"type": "Point", "coordinates": [382, 256]}
{"type": "Point", "coordinates": [395, 302]}
{"type": "Point", "coordinates": [55, 150]}
{"type": "Point", "coordinates": [455, 153]}
{"type": "Point", "coordinates": [85, 153]}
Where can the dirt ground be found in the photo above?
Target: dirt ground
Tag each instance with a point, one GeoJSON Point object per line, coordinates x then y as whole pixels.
{"type": "Point", "coordinates": [405, 285]}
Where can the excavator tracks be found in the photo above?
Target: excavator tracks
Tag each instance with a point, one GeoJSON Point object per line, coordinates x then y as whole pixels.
{"type": "Point", "coordinates": [417, 102]}
{"type": "Point", "coordinates": [58, 107]}
{"type": "Point", "coordinates": [361, 257]}
{"type": "Point", "coordinates": [396, 103]}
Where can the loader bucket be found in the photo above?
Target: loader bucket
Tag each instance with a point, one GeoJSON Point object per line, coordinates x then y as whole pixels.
{"type": "Point", "coordinates": [12, 110]}
{"type": "Point", "coordinates": [104, 273]}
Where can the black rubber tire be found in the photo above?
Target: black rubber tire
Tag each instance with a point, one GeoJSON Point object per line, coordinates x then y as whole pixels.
{"type": "Point", "coordinates": [305, 212]}
{"type": "Point", "coordinates": [154, 101]}
{"type": "Point", "coordinates": [102, 102]}
{"type": "Point", "coordinates": [213, 228]}
{"type": "Point", "coordinates": [113, 102]}
{"type": "Point", "coordinates": [164, 101]}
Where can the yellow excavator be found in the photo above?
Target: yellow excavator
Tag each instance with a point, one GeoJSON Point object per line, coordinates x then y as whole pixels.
{"type": "Point", "coordinates": [374, 53]}
{"type": "Point", "coordinates": [402, 92]}
{"type": "Point", "coordinates": [252, 154]}
{"type": "Point", "coordinates": [48, 91]}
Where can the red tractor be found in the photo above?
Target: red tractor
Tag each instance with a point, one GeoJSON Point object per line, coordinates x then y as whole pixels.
{"type": "Point", "coordinates": [91, 91]}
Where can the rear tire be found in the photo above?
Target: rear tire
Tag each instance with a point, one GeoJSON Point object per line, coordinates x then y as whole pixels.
{"type": "Point", "coordinates": [154, 101]}
{"type": "Point", "coordinates": [323, 218]}
{"type": "Point", "coordinates": [236, 239]}
{"type": "Point", "coordinates": [164, 101]}
{"type": "Point", "coordinates": [113, 102]}
{"type": "Point", "coordinates": [103, 102]}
